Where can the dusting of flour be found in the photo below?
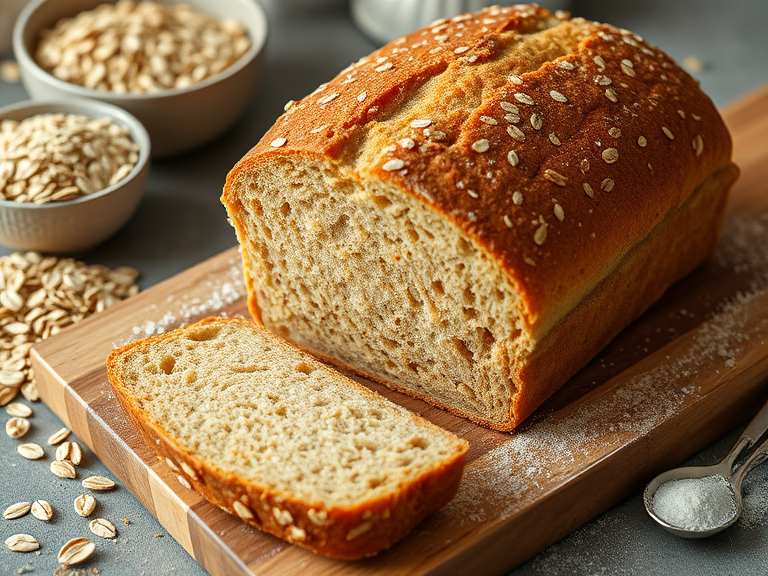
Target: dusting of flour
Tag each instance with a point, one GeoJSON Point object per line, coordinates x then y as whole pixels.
{"type": "Point", "coordinates": [548, 448]}
{"type": "Point", "coordinates": [221, 292]}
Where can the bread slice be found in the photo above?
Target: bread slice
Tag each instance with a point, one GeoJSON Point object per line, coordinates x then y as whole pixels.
{"type": "Point", "coordinates": [290, 446]}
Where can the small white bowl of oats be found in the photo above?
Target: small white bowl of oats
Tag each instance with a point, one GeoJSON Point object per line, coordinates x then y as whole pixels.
{"type": "Point", "coordinates": [71, 173]}
{"type": "Point", "coordinates": [187, 70]}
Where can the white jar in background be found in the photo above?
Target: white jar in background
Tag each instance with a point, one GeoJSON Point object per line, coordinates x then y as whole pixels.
{"type": "Point", "coordinates": [384, 20]}
{"type": "Point", "coordinates": [9, 10]}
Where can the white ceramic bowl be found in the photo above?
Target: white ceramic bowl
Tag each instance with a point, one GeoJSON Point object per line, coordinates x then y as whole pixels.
{"type": "Point", "coordinates": [384, 20]}
{"type": "Point", "coordinates": [79, 224]}
{"type": "Point", "coordinates": [177, 119]}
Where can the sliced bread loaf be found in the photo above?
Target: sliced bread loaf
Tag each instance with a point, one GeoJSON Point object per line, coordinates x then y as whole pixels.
{"type": "Point", "coordinates": [287, 444]}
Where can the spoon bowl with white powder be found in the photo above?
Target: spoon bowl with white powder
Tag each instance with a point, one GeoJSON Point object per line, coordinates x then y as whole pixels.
{"type": "Point", "coordinates": [699, 501]}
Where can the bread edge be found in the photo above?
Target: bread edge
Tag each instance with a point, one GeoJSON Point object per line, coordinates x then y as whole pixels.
{"type": "Point", "coordinates": [390, 516]}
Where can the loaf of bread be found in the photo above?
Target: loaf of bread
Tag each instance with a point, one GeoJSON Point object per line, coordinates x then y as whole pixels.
{"type": "Point", "coordinates": [275, 437]}
{"type": "Point", "coordinates": [472, 212]}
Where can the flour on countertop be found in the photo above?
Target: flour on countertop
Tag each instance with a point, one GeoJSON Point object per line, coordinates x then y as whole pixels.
{"type": "Point", "coordinates": [755, 499]}
{"type": "Point", "coordinates": [223, 292]}
{"type": "Point", "coordinates": [543, 451]}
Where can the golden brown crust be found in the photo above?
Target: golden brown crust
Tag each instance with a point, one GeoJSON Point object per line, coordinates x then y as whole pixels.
{"type": "Point", "coordinates": [685, 140]}
{"type": "Point", "coordinates": [340, 532]}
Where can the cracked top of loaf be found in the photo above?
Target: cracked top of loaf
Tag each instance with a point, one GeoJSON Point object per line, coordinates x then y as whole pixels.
{"type": "Point", "coordinates": [555, 143]}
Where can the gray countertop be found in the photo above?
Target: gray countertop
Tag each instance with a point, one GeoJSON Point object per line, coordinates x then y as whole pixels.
{"type": "Point", "coordinates": [181, 222]}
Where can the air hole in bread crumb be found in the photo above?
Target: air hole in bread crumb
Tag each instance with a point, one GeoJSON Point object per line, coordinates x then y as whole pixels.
{"type": "Point", "coordinates": [203, 333]}
{"type": "Point", "coordinates": [465, 248]}
{"type": "Point", "coordinates": [256, 207]}
{"type": "Point", "coordinates": [419, 442]}
{"type": "Point", "coordinates": [285, 209]}
{"type": "Point", "coordinates": [462, 348]}
{"type": "Point", "coordinates": [151, 368]}
{"type": "Point", "coordinates": [375, 482]}
{"type": "Point", "coordinates": [304, 368]}
{"type": "Point", "coordinates": [485, 337]}
{"type": "Point", "coordinates": [414, 301]}
{"type": "Point", "coordinates": [470, 313]}
{"type": "Point", "coordinates": [389, 344]}
{"type": "Point", "coordinates": [167, 363]}
{"type": "Point", "coordinates": [381, 201]}
{"type": "Point", "coordinates": [437, 286]}
{"type": "Point", "coordinates": [411, 231]}
{"type": "Point", "coordinates": [190, 377]}
{"type": "Point", "coordinates": [338, 227]}
{"type": "Point", "coordinates": [469, 296]}
{"type": "Point", "coordinates": [414, 366]}
{"type": "Point", "coordinates": [281, 411]}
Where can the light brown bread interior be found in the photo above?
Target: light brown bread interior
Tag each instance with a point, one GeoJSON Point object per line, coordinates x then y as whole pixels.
{"type": "Point", "coordinates": [357, 270]}
{"type": "Point", "coordinates": [265, 422]}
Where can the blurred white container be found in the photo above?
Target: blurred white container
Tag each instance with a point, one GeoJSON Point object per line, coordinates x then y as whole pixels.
{"type": "Point", "coordinates": [384, 20]}
{"type": "Point", "coordinates": [9, 10]}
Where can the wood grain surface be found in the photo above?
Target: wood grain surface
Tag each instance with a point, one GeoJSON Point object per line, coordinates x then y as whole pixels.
{"type": "Point", "coordinates": [681, 376]}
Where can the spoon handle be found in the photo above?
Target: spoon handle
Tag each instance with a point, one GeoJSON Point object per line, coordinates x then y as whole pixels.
{"type": "Point", "coordinates": [752, 433]}
{"type": "Point", "coordinates": [757, 456]}
{"type": "Point", "coordinates": [758, 426]}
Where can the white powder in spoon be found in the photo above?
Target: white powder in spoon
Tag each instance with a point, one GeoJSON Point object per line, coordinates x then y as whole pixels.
{"type": "Point", "coordinates": [695, 503]}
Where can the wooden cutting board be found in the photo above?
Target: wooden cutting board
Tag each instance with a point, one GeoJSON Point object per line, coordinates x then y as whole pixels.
{"type": "Point", "coordinates": [677, 379]}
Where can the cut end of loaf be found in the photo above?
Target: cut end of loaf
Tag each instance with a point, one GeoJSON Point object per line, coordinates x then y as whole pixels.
{"type": "Point", "coordinates": [283, 442]}
{"type": "Point", "coordinates": [359, 273]}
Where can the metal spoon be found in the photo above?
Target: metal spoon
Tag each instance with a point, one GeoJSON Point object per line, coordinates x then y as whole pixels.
{"type": "Point", "coordinates": [725, 468]}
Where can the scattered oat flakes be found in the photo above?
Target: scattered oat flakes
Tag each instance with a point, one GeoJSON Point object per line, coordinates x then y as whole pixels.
{"type": "Point", "coordinates": [481, 145]}
{"type": "Point", "coordinates": [393, 165]}
{"type": "Point", "coordinates": [70, 451]}
{"type": "Point", "coordinates": [85, 504]}
{"type": "Point", "coordinates": [22, 543]}
{"type": "Point", "coordinates": [42, 510]}
{"type": "Point", "coordinates": [16, 427]}
{"type": "Point", "coordinates": [98, 483]}
{"type": "Point", "coordinates": [555, 177]}
{"type": "Point", "coordinates": [16, 510]}
{"type": "Point", "coordinates": [102, 528]}
{"type": "Point", "coordinates": [31, 451]}
{"type": "Point", "coordinates": [76, 551]}
{"type": "Point", "coordinates": [19, 410]}
{"type": "Point", "coordinates": [63, 469]}
{"type": "Point", "coordinates": [59, 436]}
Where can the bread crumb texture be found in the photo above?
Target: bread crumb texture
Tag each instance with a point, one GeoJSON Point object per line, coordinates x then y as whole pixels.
{"type": "Point", "coordinates": [433, 213]}
{"type": "Point", "coordinates": [282, 441]}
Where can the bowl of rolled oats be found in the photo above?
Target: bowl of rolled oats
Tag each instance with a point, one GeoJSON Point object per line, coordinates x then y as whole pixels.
{"type": "Point", "coordinates": [186, 70]}
{"type": "Point", "coordinates": [71, 173]}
